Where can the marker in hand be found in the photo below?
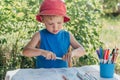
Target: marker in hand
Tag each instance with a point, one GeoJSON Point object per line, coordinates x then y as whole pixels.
{"type": "Point", "coordinates": [59, 58]}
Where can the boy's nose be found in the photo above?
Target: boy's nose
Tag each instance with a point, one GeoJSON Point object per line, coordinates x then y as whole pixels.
{"type": "Point", "coordinates": [55, 27]}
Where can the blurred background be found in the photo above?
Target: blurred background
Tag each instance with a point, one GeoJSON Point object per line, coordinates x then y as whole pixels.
{"type": "Point", "coordinates": [94, 23]}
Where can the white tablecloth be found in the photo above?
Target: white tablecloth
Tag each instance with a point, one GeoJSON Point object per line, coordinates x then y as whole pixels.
{"type": "Point", "coordinates": [86, 73]}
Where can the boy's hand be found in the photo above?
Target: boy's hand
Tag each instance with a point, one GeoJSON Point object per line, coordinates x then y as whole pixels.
{"type": "Point", "coordinates": [49, 55]}
{"type": "Point", "coordinates": [67, 57]}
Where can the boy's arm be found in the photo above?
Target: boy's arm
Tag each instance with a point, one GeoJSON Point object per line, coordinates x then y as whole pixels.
{"type": "Point", "coordinates": [78, 49]}
{"type": "Point", "coordinates": [30, 49]}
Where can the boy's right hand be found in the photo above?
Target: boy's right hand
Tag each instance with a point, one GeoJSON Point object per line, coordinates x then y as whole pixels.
{"type": "Point", "coordinates": [49, 55]}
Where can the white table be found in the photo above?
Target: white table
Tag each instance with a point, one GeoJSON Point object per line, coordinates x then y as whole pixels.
{"type": "Point", "coordinates": [90, 72]}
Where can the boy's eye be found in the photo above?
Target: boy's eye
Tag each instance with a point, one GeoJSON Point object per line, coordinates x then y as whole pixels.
{"type": "Point", "coordinates": [59, 22]}
{"type": "Point", "coordinates": [50, 23]}
{"type": "Point", "coordinates": [53, 23]}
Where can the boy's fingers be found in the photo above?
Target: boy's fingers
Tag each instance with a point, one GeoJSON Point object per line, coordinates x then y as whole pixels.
{"type": "Point", "coordinates": [50, 55]}
{"type": "Point", "coordinates": [63, 57]}
{"type": "Point", "coordinates": [53, 57]}
{"type": "Point", "coordinates": [67, 57]}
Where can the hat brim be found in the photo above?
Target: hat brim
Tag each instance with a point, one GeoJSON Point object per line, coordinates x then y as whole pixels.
{"type": "Point", "coordinates": [39, 18]}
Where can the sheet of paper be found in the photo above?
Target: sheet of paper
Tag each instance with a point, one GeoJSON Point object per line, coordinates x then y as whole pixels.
{"type": "Point", "coordinates": [74, 73]}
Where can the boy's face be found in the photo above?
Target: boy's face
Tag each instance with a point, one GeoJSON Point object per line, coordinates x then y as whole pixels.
{"type": "Point", "coordinates": [53, 23]}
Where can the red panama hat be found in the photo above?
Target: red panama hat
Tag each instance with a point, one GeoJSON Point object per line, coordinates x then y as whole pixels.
{"type": "Point", "coordinates": [52, 7]}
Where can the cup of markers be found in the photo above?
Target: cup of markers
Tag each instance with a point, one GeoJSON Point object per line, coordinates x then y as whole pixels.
{"type": "Point", "coordinates": [107, 61]}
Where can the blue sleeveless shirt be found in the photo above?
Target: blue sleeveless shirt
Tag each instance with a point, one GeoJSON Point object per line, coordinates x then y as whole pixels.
{"type": "Point", "coordinates": [56, 43]}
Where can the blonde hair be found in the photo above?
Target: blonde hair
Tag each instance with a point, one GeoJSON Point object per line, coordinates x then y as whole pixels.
{"type": "Point", "coordinates": [50, 17]}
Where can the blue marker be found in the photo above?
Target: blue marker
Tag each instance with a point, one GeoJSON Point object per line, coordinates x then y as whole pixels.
{"type": "Point", "coordinates": [101, 55]}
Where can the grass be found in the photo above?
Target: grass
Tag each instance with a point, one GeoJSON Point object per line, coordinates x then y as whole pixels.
{"type": "Point", "coordinates": [110, 33]}
{"type": "Point", "coordinates": [110, 36]}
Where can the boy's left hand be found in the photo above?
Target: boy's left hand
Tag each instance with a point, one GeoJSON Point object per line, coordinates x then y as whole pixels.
{"type": "Point", "coordinates": [67, 57]}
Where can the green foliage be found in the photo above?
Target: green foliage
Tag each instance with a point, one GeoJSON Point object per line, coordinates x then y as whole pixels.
{"type": "Point", "coordinates": [18, 23]}
{"type": "Point", "coordinates": [110, 6]}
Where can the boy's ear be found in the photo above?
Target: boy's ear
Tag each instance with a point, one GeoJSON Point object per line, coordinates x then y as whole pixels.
{"type": "Point", "coordinates": [42, 19]}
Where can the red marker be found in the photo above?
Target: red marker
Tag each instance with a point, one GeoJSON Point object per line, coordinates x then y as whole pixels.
{"type": "Point", "coordinates": [106, 55]}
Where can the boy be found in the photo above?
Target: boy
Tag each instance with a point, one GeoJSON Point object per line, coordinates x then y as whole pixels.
{"type": "Point", "coordinates": [53, 41]}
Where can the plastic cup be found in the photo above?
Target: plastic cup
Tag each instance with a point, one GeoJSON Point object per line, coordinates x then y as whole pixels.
{"type": "Point", "coordinates": [107, 70]}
